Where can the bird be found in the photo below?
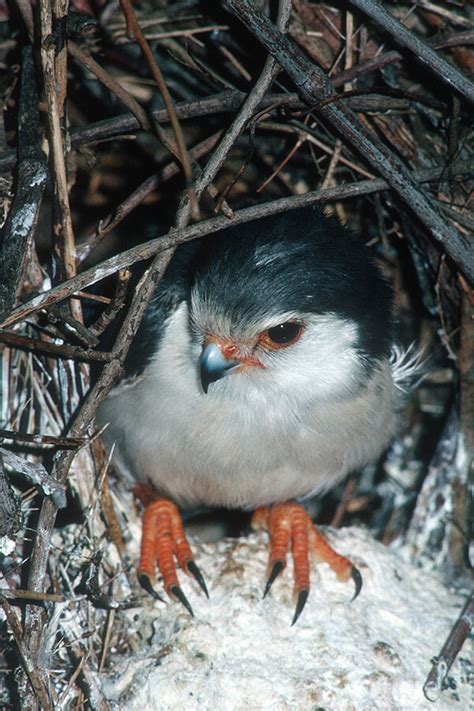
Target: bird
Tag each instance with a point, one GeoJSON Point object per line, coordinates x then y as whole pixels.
{"type": "Point", "coordinates": [263, 372]}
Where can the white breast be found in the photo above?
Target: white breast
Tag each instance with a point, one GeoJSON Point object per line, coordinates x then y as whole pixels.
{"type": "Point", "coordinates": [239, 446]}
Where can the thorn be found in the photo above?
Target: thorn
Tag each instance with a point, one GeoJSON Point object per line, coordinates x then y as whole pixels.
{"type": "Point", "coordinates": [301, 602]}
{"type": "Point", "coordinates": [197, 575]}
{"type": "Point", "coordinates": [176, 591]}
{"type": "Point", "coordinates": [357, 578]}
{"type": "Point", "coordinates": [147, 585]}
{"type": "Point", "coordinates": [277, 567]}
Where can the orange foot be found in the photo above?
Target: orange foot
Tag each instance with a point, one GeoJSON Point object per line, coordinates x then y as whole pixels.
{"type": "Point", "coordinates": [289, 523]}
{"type": "Point", "coordinates": [163, 541]}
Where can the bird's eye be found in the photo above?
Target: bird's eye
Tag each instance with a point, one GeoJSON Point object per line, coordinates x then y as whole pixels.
{"type": "Point", "coordinates": [282, 335]}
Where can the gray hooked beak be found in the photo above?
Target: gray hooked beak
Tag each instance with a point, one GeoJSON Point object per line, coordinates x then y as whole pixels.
{"type": "Point", "coordinates": [214, 365]}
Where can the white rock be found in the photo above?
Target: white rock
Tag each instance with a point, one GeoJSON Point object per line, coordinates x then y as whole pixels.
{"type": "Point", "coordinates": [240, 652]}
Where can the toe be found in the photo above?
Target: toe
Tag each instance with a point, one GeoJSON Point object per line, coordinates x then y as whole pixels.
{"type": "Point", "coordinates": [163, 543]}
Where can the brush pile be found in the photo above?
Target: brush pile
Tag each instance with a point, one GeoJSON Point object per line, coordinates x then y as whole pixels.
{"type": "Point", "coordinates": [128, 129]}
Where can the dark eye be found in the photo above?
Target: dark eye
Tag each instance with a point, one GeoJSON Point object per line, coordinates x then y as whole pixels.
{"type": "Point", "coordinates": [284, 333]}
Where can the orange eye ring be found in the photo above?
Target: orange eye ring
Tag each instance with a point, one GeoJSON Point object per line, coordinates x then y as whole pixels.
{"type": "Point", "coordinates": [281, 336]}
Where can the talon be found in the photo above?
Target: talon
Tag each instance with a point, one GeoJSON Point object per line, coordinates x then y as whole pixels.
{"type": "Point", "coordinates": [176, 592]}
{"type": "Point", "coordinates": [147, 585]}
{"type": "Point", "coordinates": [357, 578]}
{"type": "Point", "coordinates": [163, 543]}
{"type": "Point", "coordinates": [197, 575]}
{"type": "Point", "coordinates": [289, 524]}
{"type": "Point", "coordinates": [277, 567]}
{"type": "Point", "coordinates": [300, 603]}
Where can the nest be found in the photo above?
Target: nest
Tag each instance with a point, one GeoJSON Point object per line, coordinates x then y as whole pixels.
{"type": "Point", "coordinates": [121, 124]}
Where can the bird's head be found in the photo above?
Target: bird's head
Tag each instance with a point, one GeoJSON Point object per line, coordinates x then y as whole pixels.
{"type": "Point", "coordinates": [290, 305]}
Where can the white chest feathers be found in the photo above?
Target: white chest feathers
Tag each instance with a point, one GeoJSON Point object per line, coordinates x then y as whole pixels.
{"type": "Point", "coordinates": [254, 439]}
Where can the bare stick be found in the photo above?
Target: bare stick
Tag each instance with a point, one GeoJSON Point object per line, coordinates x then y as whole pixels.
{"type": "Point", "coordinates": [16, 238]}
{"type": "Point", "coordinates": [37, 474]}
{"type": "Point", "coordinates": [64, 231]}
{"type": "Point", "coordinates": [15, 340]}
{"type": "Point", "coordinates": [445, 71]}
{"type": "Point", "coordinates": [36, 679]}
{"type": "Point", "coordinates": [316, 90]}
{"type": "Point", "coordinates": [244, 115]}
{"type": "Point", "coordinates": [231, 100]}
{"type": "Point", "coordinates": [47, 440]}
{"type": "Point", "coordinates": [207, 227]}
{"type": "Point", "coordinates": [108, 80]}
{"type": "Point", "coordinates": [434, 682]}
{"type": "Point", "coordinates": [181, 152]}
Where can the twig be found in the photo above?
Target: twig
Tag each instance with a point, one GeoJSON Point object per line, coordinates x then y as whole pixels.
{"type": "Point", "coordinates": [16, 340]}
{"type": "Point", "coordinates": [38, 683]}
{"type": "Point", "coordinates": [37, 474]}
{"type": "Point", "coordinates": [117, 303]}
{"type": "Point", "coordinates": [112, 84]}
{"type": "Point", "coordinates": [114, 218]}
{"type": "Point", "coordinates": [180, 152]}
{"type": "Point", "coordinates": [385, 59]}
{"type": "Point", "coordinates": [207, 227]}
{"type": "Point", "coordinates": [10, 508]}
{"type": "Point", "coordinates": [106, 504]}
{"type": "Point", "coordinates": [18, 594]}
{"type": "Point", "coordinates": [55, 92]}
{"type": "Point", "coordinates": [315, 88]}
{"type": "Point", "coordinates": [442, 664]}
{"type": "Point", "coordinates": [445, 71]}
{"type": "Point", "coordinates": [49, 440]}
{"type": "Point", "coordinates": [231, 100]}
{"type": "Point", "coordinates": [16, 237]}
{"type": "Point", "coordinates": [261, 86]}
{"type": "Point", "coordinates": [445, 13]}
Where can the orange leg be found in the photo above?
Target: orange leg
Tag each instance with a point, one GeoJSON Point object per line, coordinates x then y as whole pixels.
{"type": "Point", "coordinates": [163, 541]}
{"type": "Point", "coordinates": [289, 524]}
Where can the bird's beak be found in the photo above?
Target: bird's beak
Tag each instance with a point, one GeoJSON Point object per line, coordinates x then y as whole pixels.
{"type": "Point", "coordinates": [214, 365]}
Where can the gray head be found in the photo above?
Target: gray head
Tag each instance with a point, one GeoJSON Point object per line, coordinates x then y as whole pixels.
{"type": "Point", "coordinates": [290, 304]}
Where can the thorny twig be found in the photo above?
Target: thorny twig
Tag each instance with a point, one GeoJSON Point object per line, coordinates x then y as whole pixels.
{"type": "Point", "coordinates": [443, 662]}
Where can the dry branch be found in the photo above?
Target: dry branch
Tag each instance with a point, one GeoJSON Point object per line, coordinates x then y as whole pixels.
{"type": "Point", "coordinates": [316, 90]}
{"type": "Point", "coordinates": [421, 51]}
{"type": "Point", "coordinates": [17, 234]}
{"type": "Point", "coordinates": [207, 227]}
{"type": "Point", "coordinates": [451, 648]}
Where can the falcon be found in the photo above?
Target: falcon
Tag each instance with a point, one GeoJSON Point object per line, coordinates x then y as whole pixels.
{"type": "Point", "coordinates": [262, 373]}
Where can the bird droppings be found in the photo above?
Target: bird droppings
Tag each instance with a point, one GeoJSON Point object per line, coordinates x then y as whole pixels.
{"type": "Point", "coordinates": [239, 651]}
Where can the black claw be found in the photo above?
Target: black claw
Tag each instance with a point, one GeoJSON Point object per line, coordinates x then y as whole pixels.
{"type": "Point", "coordinates": [357, 578]}
{"type": "Point", "coordinates": [179, 594]}
{"type": "Point", "coordinates": [277, 567]}
{"type": "Point", "coordinates": [146, 584]}
{"type": "Point", "coordinates": [197, 575]}
{"type": "Point", "coordinates": [301, 602]}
